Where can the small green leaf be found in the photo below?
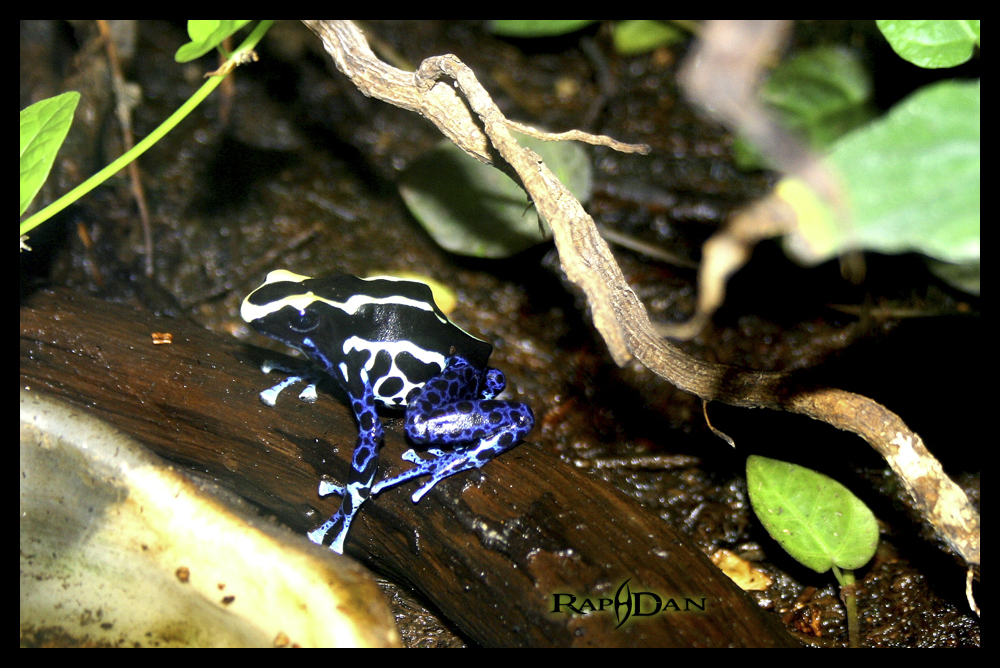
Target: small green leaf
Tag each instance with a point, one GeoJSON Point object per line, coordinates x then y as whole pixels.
{"type": "Point", "coordinates": [635, 37]}
{"type": "Point", "coordinates": [911, 181]}
{"type": "Point", "coordinates": [816, 519]}
{"type": "Point", "coordinates": [474, 209]}
{"type": "Point", "coordinates": [536, 27]}
{"type": "Point", "coordinates": [205, 36]}
{"type": "Point", "coordinates": [44, 126]}
{"type": "Point", "coordinates": [932, 44]}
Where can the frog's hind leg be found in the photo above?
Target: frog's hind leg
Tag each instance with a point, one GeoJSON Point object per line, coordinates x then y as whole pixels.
{"type": "Point", "coordinates": [364, 466]}
{"type": "Point", "coordinates": [443, 464]}
{"type": "Point", "coordinates": [449, 411]}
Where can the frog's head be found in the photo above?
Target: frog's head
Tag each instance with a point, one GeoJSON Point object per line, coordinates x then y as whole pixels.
{"type": "Point", "coordinates": [285, 308]}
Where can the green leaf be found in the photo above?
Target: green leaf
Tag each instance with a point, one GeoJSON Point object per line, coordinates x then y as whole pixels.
{"type": "Point", "coordinates": [536, 27]}
{"type": "Point", "coordinates": [205, 36]}
{"type": "Point", "coordinates": [965, 277]}
{"type": "Point", "coordinates": [932, 44]}
{"type": "Point", "coordinates": [474, 209]}
{"type": "Point", "coordinates": [44, 126]}
{"type": "Point", "coordinates": [813, 517]}
{"type": "Point", "coordinates": [635, 37]}
{"type": "Point", "coordinates": [911, 181]}
{"type": "Point", "coordinates": [820, 94]}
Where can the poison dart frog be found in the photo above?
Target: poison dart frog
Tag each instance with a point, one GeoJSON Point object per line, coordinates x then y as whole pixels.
{"type": "Point", "coordinates": [385, 341]}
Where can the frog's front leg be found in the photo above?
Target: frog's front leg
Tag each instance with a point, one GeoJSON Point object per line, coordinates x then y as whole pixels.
{"type": "Point", "coordinates": [456, 408]}
{"type": "Point", "coordinates": [364, 466]}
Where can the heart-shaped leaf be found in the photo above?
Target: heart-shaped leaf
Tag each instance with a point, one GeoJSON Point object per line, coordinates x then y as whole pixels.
{"type": "Point", "coordinates": [816, 519]}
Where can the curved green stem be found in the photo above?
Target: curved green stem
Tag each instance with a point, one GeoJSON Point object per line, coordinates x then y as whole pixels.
{"type": "Point", "coordinates": [52, 209]}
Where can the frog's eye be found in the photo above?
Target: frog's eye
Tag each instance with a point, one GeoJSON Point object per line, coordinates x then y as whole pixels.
{"type": "Point", "coordinates": [303, 321]}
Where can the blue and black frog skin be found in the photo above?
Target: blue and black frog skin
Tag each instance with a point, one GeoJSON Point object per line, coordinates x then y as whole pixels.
{"type": "Point", "coordinates": [385, 341]}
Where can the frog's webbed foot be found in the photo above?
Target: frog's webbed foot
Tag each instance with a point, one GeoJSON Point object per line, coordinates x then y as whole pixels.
{"type": "Point", "coordinates": [327, 487]}
{"type": "Point", "coordinates": [355, 494]}
{"type": "Point", "coordinates": [309, 376]}
{"type": "Point", "coordinates": [423, 467]}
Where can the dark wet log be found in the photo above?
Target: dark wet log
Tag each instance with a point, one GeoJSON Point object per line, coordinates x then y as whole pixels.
{"type": "Point", "coordinates": [489, 548]}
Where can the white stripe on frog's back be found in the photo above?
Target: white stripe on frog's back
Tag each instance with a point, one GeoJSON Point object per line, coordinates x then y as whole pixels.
{"type": "Point", "coordinates": [250, 312]}
{"type": "Point", "coordinates": [394, 348]}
